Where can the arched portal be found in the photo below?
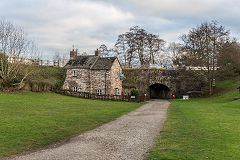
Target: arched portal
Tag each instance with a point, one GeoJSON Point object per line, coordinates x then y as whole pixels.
{"type": "Point", "coordinates": [159, 91]}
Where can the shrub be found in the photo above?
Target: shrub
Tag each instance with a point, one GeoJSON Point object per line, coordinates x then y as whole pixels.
{"type": "Point", "coordinates": [134, 92]}
{"type": "Point", "coordinates": [62, 77]}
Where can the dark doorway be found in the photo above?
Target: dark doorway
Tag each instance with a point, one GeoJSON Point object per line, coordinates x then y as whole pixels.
{"type": "Point", "coordinates": [159, 91]}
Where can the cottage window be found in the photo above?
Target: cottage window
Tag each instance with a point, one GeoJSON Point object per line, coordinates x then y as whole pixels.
{"type": "Point", "coordinates": [99, 92]}
{"type": "Point", "coordinates": [75, 89]}
{"type": "Point", "coordinates": [116, 75]}
{"type": "Point", "coordinates": [74, 73]}
{"type": "Point", "coordinates": [116, 91]}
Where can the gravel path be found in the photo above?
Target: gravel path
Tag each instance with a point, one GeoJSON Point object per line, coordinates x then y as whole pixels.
{"type": "Point", "coordinates": [128, 137]}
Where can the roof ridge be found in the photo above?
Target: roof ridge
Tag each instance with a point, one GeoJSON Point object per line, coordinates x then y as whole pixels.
{"type": "Point", "coordinates": [86, 56]}
{"type": "Point", "coordinates": [94, 62]}
{"type": "Point", "coordinates": [91, 62]}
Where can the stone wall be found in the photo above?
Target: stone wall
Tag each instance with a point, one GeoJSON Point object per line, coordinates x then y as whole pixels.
{"type": "Point", "coordinates": [100, 80]}
{"type": "Point", "coordinates": [115, 81]}
{"type": "Point", "coordinates": [177, 81]}
{"type": "Point", "coordinates": [92, 80]}
{"type": "Point", "coordinates": [81, 81]}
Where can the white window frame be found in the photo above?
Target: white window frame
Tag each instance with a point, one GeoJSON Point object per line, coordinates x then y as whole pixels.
{"type": "Point", "coordinates": [116, 91]}
{"type": "Point", "coordinates": [99, 92]}
{"type": "Point", "coordinates": [75, 89]}
{"type": "Point", "coordinates": [75, 73]}
{"type": "Point", "coordinates": [116, 75]}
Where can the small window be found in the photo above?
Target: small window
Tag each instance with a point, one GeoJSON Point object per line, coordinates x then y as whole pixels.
{"type": "Point", "coordinates": [116, 75]}
{"type": "Point", "coordinates": [74, 73]}
{"type": "Point", "coordinates": [116, 91]}
{"type": "Point", "coordinates": [99, 92]}
{"type": "Point", "coordinates": [75, 89]}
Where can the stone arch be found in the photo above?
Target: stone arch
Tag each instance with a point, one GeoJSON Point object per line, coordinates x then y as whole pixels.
{"type": "Point", "coordinates": [159, 91]}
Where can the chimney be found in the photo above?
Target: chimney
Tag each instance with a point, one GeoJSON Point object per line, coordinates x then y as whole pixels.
{"type": "Point", "coordinates": [73, 54]}
{"type": "Point", "coordinates": [97, 53]}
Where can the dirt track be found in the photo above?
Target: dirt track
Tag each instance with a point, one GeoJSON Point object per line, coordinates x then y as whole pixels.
{"type": "Point", "coordinates": [128, 137]}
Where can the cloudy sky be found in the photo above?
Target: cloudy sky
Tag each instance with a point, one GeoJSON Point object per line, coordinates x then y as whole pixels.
{"type": "Point", "coordinates": [56, 25]}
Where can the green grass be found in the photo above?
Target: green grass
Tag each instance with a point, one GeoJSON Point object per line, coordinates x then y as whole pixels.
{"type": "Point", "coordinates": [29, 120]}
{"type": "Point", "coordinates": [203, 128]}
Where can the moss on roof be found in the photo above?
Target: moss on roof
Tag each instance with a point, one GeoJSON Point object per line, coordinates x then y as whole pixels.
{"type": "Point", "coordinates": [91, 62]}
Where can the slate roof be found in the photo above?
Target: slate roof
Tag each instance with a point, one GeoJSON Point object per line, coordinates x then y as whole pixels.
{"type": "Point", "coordinates": [91, 62]}
{"type": "Point", "coordinates": [81, 62]}
{"type": "Point", "coordinates": [104, 63]}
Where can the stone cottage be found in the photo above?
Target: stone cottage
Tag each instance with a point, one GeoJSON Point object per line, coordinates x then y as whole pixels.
{"type": "Point", "coordinates": [93, 74]}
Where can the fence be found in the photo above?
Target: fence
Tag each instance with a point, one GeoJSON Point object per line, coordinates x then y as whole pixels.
{"type": "Point", "coordinates": [125, 98]}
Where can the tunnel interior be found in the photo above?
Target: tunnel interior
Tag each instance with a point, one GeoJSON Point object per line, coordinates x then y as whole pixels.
{"type": "Point", "coordinates": [159, 91]}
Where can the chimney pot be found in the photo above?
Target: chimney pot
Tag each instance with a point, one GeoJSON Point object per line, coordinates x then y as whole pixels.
{"type": "Point", "coordinates": [73, 54]}
{"type": "Point", "coordinates": [97, 53]}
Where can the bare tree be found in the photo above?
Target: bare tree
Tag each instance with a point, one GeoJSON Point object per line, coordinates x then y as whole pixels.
{"type": "Point", "coordinates": [154, 46]}
{"type": "Point", "coordinates": [57, 56]}
{"type": "Point", "coordinates": [15, 49]}
{"type": "Point", "coordinates": [174, 48]}
{"type": "Point", "coordinates": [104, 50]}
{"type": "Point", "coordinates": [125, 49]}
{"type": "Point", "coordinates": [137, 47]}
{"type": "Point", "coordinates": [201, 47]}
{"type": "Point", "coordinates": [139, 38]}
{"type": "Point", "coordinates": [120, 49]}
{"type": "Point", "coordinates": [131, 55]}
{"type": "Point", "coordinates": [229, 60]}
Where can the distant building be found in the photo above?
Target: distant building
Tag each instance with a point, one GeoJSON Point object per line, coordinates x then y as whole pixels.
{"type": "Point", "coordinates": [93, 74]}
{"type": "Point", "coordinates": [22, 60]}
{"type": "Point", "coordinates": [31, 61]}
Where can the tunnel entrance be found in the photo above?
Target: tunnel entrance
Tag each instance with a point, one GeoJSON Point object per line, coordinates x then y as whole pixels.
{"type": "Point", "coordinates": [159, 91]}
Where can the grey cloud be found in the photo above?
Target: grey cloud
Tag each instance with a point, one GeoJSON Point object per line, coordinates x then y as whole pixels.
{"type": "Point", "coordinates": [57, 24]}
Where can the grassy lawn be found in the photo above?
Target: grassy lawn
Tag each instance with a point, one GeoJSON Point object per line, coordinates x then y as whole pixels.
{"type": "Point", "coordinates": [204, 128]}
{"type": "Point", "coordinates": [32, 120]}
